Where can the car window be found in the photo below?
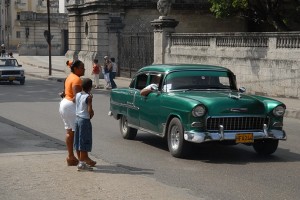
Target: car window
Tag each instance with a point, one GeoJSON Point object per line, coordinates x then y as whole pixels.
{"type": "Point", "coordinates": [132, 84]}
{"type": "Point", "coordinates": [199, 80]}
{"type": "Point", "coordinates": [141, 81]}
{"type": "Point", "coordinates": [8, 62]}
{"type": "Point", "coordinates": [155, 78]}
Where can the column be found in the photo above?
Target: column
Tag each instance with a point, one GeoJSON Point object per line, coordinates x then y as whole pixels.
{"type": "Point", "coordinates": [163, 27]}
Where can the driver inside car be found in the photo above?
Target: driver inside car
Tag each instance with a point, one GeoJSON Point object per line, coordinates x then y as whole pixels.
{"type": "Point", "coordinates": [153, 86]}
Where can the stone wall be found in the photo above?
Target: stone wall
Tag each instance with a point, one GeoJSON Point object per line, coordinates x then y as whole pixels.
{"type": "Point", "coordinates": [107, 20]}
{"type": "Point", "coordinates": [265, 63]}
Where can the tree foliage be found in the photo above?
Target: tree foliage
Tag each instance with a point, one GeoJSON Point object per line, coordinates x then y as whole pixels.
{"type": "Point", "coordinates": [281, 14]}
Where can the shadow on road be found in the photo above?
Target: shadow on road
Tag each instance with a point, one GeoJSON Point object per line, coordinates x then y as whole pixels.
{"type": "Point", "coordinates": [223, 154]}
{"type": "Point", "coordinates": [15, 137]}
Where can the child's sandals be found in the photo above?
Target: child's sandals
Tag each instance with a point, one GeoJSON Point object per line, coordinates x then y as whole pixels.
{"type": "Point", "coordinates": [90, 162]}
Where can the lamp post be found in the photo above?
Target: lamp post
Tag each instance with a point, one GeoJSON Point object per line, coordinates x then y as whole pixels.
{"type": "Point", "coordinates": [7, 26]}
{"type": "Point", "coordinates": [49, 38]}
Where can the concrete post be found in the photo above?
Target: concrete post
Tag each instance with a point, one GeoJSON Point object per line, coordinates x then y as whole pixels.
{"type": "Point", "coordinates": [74, 37]}
{"type": "Point", "coordinates": [163, 27]}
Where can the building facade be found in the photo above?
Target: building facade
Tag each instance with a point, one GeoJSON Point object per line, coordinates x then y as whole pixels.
{"type": "Point", "coordinates": [122, 28]}
{"type": "Point", "coordinates": [12, 32]}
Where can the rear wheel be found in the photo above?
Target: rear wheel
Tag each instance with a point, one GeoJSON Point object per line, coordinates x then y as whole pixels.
{"type": "Point", "coordinates": [126, 131]}
{"type": "Point", "coordinates": [265, 147]}
{"type": "Point", "coordinates": [178, 147]}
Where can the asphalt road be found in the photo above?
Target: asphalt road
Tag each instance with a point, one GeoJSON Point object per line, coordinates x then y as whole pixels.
{"type": "Point", "coordinates": [211, 172]}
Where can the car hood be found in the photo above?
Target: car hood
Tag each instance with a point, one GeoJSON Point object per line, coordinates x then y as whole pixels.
{"type": "Point", "coordinates": [230, 103]}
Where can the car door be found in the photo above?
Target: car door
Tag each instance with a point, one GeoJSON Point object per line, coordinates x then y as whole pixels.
{"type": "Point", "coordinates": [133, 99]}
{"type": "Point", "coordinates": [150, 107]}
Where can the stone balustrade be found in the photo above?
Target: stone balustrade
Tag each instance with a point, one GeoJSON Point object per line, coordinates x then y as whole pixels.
{"type": "Point", "coordinates": [283, 40]}
{"type": "Point", "coordinates": [265, 63]}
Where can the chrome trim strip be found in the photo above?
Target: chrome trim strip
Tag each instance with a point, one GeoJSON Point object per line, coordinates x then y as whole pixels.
{"type": "Point", "coordinates": [277, 124]}
{"type": "Point", "coordinates": [197, 124]}
{"type": "Point", "coordinates": [265, 130]}
{"type": "Point", "coordinates": [200, 137]}
{"type": "Point", "coordinates": [127, 105]}
{"type": "Point", "coordinates": [221, 130]}
{"type": "Point", "coordinates": [146, 130]}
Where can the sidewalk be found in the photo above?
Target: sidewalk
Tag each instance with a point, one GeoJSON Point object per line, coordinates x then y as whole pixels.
{"type": "Point", "coordinates": [34, 167]}
{"type": "Point", "coordinates": [38, 66]}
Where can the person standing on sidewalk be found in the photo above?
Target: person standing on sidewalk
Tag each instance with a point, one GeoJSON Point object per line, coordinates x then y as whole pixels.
{"type": "Point", "coordinates": [67, 108]}
{"type": "Point", "coordinates": [3, 50]}
{"type": "Point", "coordinates": [113, 73]}
{"type": "Point", "coordinates": [107, 69]}
{"type": "Point", "coordinates": [96, 72]}
{"type": "Point", "coordinates": [83, 126]}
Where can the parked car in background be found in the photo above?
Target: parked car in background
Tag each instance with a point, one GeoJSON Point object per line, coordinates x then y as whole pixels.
{"type": "Point", "coordinates": [10, 70]}
{"type": "Point", "coordinates": [197, 104]}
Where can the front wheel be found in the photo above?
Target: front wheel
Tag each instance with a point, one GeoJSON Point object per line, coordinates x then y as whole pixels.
{"type": "Point", "coordinates": [178, 147]}
{"type": "Point", "coordinates": [22, 82]}
{"type": "Point", "coordinates": [265, 147]}
{"type": "Point", "coordinates": [126, 131]}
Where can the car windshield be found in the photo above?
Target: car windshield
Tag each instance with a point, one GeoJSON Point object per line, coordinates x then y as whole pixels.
{"type": "Point", "coordinates": [199, 80]}
{"type": "Point", "coordinates": [8, 63]}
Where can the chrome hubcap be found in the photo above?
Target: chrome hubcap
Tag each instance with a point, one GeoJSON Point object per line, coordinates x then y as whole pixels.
{"type": "Point", "coordinates": [124, 126]}
{"type": "Point", "coordinates": [175, 137]}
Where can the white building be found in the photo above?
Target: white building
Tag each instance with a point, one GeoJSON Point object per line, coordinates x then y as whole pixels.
{"type": "Point", "coordinates": [11, 32]}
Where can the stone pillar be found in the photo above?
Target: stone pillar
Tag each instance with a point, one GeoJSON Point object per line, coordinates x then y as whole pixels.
{"type": "Point", "coordinates": [114, 27]}
{"type": "Point", "coordinates": [74, 27]}
{"type": "Point", "coordinates": [163, 27]}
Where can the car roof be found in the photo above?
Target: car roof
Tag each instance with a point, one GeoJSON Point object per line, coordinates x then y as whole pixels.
{"type": "Point", "coordinates": [166, 68]}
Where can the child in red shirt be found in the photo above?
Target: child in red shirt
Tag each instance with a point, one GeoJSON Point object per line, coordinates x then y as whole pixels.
{"type": "Point", "coordinates": [96, 72]}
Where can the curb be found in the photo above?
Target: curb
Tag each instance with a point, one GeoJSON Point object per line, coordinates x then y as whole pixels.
{"type": "Point", "coordinates": [292, 114]}
{"type": "Point", "coordinates": [58, 79]}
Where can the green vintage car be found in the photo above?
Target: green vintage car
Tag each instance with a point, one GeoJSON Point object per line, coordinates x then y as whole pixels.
{"type": "Point", "coordinates": [197, 104]}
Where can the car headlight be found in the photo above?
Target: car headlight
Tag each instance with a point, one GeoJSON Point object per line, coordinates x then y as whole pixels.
{"type": "Point", "coordinates": [279, 111]}
{"type": "Point", "coordinates": [198, 111]}
{"type": "Point", "coordinates": [22, 73]}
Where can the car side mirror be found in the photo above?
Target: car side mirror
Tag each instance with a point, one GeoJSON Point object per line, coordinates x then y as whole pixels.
{"type": "Point", "coordinates": [242, 89]}
{"type": "Point", "coordinates": [19, 65]}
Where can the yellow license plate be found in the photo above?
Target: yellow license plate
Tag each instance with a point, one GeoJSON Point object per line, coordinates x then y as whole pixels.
{"type": "Point", "coordinates": [11, 78]}
{"type": "Point", "coordinates": [244, 138]}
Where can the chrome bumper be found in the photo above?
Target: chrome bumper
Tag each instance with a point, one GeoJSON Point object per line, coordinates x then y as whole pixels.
{"type": "Point", "coordinates": [199, 137]}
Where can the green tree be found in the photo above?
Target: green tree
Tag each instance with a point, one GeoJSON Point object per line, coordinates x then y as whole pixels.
{"type": "Point", "coordinates": [283, 15]}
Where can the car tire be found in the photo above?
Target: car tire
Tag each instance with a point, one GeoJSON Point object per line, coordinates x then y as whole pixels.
{"type": "Point", "coordinates": [126, 131]}
{"type": "Point", "coordinates": [265, 147]}
{"type": "Point", "coordinates": [178, 147]}
{"type": "Point", "coordinates": [22, 82]}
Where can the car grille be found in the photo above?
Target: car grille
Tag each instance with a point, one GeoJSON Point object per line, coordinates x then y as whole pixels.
{"type": "Point", "coordinates": [11, 72]}
{"type": "Point", "coordinates": [236, 123]}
